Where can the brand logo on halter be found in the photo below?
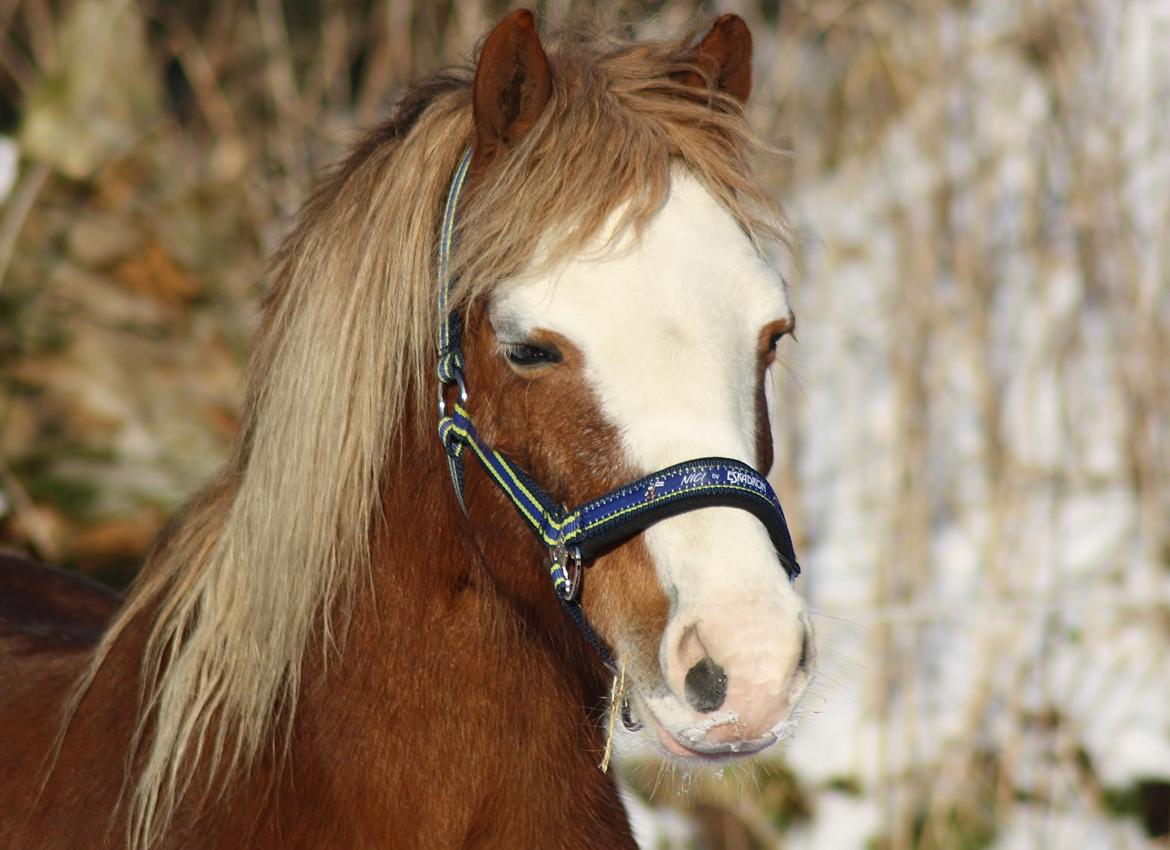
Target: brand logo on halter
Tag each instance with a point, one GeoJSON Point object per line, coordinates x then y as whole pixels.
{"type": "Point", "coordinates": [655, 485]}
{"type": "Point", "coordinates": [734, 476]}
{"type": "Point", "coordinates": [695, 479]}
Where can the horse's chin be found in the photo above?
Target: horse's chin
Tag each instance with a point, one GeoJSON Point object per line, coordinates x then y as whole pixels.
{"type": "Point", "coordinates": [690, 744]}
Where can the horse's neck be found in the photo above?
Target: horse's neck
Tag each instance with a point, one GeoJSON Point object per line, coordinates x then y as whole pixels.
{"type": "Point", "coordinates": [461, 710]}
{"type": "Point", "coordinates": [462, 699]}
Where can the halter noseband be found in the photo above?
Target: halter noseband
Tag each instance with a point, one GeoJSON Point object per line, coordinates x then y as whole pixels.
{"type": "Point", "coordinates": [575, 536]}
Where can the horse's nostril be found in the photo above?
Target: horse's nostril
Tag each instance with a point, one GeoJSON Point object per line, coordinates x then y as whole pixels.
{"type": "Point", "coordinates": [706, 685]}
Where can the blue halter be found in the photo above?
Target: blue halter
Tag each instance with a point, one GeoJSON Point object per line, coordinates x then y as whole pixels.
{"type": "Point", "coordinates": [575, 536]}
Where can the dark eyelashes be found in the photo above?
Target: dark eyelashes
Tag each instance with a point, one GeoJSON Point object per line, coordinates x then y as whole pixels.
{"type": "Point", "coordinates": [526, 355]}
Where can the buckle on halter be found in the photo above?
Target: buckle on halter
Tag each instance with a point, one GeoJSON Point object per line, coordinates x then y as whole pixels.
{"type": "Point", "coordinates": [459, 382]}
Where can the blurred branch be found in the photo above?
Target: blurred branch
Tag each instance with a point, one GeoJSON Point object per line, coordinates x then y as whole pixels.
{"type": "Point", "coordinates": [17, 210]}
{"type": "Point", "coordinates": [213, 102]}
{"type": "Point", "coordinates": [287, 106]}
{"type": "Point", "coordinates": [29, 516]}
{"type": "Point", "coordinates": [42, 35]}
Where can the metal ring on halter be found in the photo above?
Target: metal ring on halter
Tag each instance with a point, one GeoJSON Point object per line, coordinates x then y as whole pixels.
{"type": "Point", "coordinates": [565, 565]}
{"type": "Point", "coordinates": [572, 563]}
{"type": "Point", "coordinates": [574, 558]}
{"type": "Point", "coordinates": [459, 382]}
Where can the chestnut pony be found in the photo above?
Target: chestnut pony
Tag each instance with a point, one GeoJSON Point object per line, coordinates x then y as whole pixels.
{"type": "Point", "coordinates": [325, 648]}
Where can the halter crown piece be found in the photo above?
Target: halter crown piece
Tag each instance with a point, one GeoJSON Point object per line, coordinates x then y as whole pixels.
{"type": "Point", "coordinates": [575, 536]}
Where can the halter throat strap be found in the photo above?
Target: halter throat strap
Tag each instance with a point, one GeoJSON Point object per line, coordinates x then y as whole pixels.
{"type": "Point", "coordinates": [573, 537]}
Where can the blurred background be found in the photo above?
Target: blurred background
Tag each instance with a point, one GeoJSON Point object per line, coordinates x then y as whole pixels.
{"type": "Point", "coordinates": [973, 431]}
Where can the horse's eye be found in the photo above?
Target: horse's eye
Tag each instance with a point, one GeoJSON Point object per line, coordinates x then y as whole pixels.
{"type": "Point", "coordinates": [788, 329]}
{"type": "Point", "coordinates": [526, 355]}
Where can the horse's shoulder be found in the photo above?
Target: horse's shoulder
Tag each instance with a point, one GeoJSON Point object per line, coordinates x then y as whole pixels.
{"type": "Point", "coordinates": [46, 609]}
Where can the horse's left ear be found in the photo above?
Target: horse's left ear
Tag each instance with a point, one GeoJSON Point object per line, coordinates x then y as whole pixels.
{"type": "Point", "coordinates": [512, 85]}
{"type": "Point", "coordinates": [725, 54]}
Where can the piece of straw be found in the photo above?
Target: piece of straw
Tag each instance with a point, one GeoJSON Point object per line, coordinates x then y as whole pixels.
{"type": "Point", "coordinates": [615, 696]}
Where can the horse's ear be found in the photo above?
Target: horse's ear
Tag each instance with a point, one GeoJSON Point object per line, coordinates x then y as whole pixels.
{"type": "Point", "coordinates": [512, 85]}
{"type": "Point", "coordinates": [725, 54]}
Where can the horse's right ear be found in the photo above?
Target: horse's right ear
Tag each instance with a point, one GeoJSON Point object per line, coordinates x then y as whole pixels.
{"type": "Point", "coordinates": [725, 54]}
{"type": "Point", "coordinates": [512, 85]}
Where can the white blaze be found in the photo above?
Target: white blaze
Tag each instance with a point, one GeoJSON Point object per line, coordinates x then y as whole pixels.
{"type": "Point", "coordinates": [669, 328]}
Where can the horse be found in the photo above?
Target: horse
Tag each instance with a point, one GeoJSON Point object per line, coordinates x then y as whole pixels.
{"type": "Point", "coordinates": [331, 645]}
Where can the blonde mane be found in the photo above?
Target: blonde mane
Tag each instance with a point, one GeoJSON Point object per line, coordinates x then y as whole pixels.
{"type": "Point", "coordinates": [262, 563]}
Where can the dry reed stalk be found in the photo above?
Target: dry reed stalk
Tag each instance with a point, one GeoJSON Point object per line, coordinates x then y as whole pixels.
{"type": "Point", "coordinates": [16, 212]}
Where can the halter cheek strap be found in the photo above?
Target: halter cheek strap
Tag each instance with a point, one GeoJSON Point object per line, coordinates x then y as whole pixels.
{"type": "Point", "coordinates": [575, 536]}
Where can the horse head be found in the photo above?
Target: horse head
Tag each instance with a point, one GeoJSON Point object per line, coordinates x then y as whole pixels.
{"type": "Point", "coordinates": [649, 344]}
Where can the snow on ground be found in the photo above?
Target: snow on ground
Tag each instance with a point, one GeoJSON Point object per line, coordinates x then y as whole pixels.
{"type": "Point", "coordinates": [979, 448]}
{"type": "Point", "coordinates": [9, 157]}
